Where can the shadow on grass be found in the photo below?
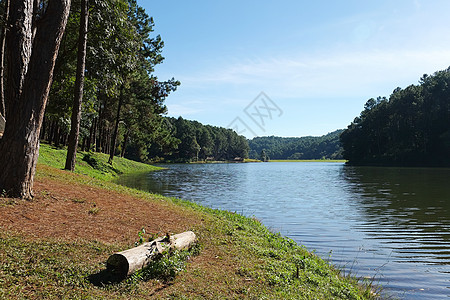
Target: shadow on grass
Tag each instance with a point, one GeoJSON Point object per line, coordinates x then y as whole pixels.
{"type": "Point", "coordinates": [105, 277]}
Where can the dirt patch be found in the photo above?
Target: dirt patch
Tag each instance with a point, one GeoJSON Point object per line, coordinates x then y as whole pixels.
{"type": "Point", "coordinates": [73, 211]}
{"type": "Point", "coordinates": [66, 211]}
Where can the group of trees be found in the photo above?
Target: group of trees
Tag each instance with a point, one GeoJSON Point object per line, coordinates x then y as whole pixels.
{"type": "Point", "coordinates": [192, 141]}
{"type": "Point", "coordinates": [412, 127]}
{"type": "Point", "coordinates": [100, 56]}
{"type": "Point", "coordinates": [31, 36]}
{"type": "Point", "coordinates": [323, 147]}
{"type": "Point", "coordinates": [123, 101]}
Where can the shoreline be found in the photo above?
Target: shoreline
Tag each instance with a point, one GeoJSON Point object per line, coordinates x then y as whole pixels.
{"type": "Point", "coordinates": [309, 160]}
{"type": "Point", "coordinates": [238, 257]}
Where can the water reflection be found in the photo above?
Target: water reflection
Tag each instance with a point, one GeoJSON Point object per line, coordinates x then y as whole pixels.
{"type": "Point", "coordinates": [388, 223]}
{"type": "Point", "coordinates": [407, 209]}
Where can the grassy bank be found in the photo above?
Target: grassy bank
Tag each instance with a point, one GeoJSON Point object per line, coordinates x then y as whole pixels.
{"type": "Point", "coordinates": [55, 246]}
{"type": "Point", "coordinates": [94, 165]}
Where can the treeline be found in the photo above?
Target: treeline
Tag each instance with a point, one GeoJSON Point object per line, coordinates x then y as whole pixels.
{"type": "Point", "coordinates": [83, 77]}
{"type": "Point", "coordinates": [323, 147]}
{"type": "Point", "coordinates": [410, 128]}
{"type": "Point", "coordinates": [122, 101]}
{"type": "Point", "coordinates": [188, 141]}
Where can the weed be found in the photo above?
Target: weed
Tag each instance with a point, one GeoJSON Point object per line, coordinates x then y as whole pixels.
{"type": "Point", "coordinates": [4, 201]}
{"type": "Point", "coordinates": [78, 200]}
{"type": "Point", "coordinates": [94, 210]}
{"type": "Point", "coordinates": [165, 268]}
{"type": "Point", "coordinates": [45, 193]}
{"type": "Point", "coordinates": [141, 234]}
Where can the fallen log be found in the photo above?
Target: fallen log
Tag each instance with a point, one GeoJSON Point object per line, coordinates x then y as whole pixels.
{"type": "Point", "coordinates": [125, 263]}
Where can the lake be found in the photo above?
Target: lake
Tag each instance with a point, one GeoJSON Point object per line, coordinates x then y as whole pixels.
{"type": "Point", "coordinates": [391, 224]}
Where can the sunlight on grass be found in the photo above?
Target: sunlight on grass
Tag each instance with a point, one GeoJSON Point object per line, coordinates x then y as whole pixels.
{"type": "Point", "coordinates": [236, 257]}
{"type": "Point", "coordinates": [92, 164]}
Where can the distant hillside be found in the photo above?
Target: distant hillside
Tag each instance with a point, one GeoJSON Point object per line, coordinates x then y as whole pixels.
{"type": "Point", "coordinates": [309, 147]}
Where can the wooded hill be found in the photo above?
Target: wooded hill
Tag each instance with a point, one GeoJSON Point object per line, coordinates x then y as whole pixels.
{"type": "Point", "coordinates": [412, 127]}
{"type": "Point", "coordinates": [309, 147]}
{"type": "Point", "coordinates": [188, 141]}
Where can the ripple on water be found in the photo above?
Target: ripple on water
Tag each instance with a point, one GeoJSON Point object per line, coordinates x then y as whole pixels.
{"type": "Point", "coordinates": [390, 224]}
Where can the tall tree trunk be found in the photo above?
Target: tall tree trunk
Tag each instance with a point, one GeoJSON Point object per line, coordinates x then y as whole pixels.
{"type": "Point", "coordinates": [98, 138]}
{"type": "Point", "coordinates": [2, 60]}
{"type": "Point", "coordinates": [30, 75]}
{"type": "Point", "coordinates": [51, 131]}
{"type": "Point", "coordinates": [57, 134]}
{"type": "Point", "coordinates": [44, 129]}
{"type": "Point", "coordinates": [91, 133]}
{"type": "Point", "coordinates": [79, 86]}
{"type": "Point", "coordinates": [125, 141]}
{"type": "Point", "coordinates": [98, 142]}
{"type": "Point", "coordinates": [107, 140]}
{"type": "Point", "coordinates": [112, 150]}
{"type": "Point", "coordinates": [83, 144]}
{"type": "Point", "coordinates": [94, 135]}
{"type": "Point", "coordinates": [65, 138]}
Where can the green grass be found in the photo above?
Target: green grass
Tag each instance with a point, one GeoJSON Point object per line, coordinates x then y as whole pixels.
{"type": "Point", "coordinates": [49, 269]}
{"type": "Point", "coordinates": [280, 268]}
{"type": "Point", "coordinates": [251, 160]}
{"type": "Point", "coordinates": [248, 261]}
{"type": "Point", "coordinates": [276, 267]}
{"type": "Point", "coordinates": [92, 164]}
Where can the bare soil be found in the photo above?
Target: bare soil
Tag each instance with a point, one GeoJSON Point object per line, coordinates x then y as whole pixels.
{"type": "Point", "coordinates": [73, 211]}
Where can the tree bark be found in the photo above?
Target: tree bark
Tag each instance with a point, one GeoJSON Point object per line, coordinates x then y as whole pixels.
{"type": "Point", "coordinates": [100, 125]}
{"type": "Point", "coordinates": [2, 61]}
{"type": "Point", "coordinates": [56, 134]}
{"type": "Point", "coordinates": [84, 144]}
{"type": "Point", "coordinates": [112, 150]}
{"type": "Point", "coordinates": [79, 86]}
{"type": "Point", "coordinates": [125, 141]}
{"type": "Point", "coordinates": [50, 131]}
{"type": "Point", "coordinates": [98, 139]}
{"type": "Point", "coordinates": [91, 135]}
{"type": "Point", "coordinates": [30, 75]}
{"type": "Point", "coordinates": [44, 129]}
{"type": "Point", "coordinates": [129, 261]}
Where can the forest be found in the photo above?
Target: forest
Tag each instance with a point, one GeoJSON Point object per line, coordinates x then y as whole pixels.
{"type": "Point", "coordinates": [189, 141]}
{"type": "Point", "coordinates": [84, 78]}
{"type": "Point", "coordinates": [411, 128]}
{"type": "Point", "coordinates": [123, 102]}
{"type": "Point", "coordinates": [322, 147]}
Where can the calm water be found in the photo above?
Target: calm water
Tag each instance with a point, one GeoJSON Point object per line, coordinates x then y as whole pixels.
{"type": "Point", "coordinates": [389, 223]}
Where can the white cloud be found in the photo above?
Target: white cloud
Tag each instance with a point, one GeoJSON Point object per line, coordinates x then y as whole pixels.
{"type": "Point", "coordinates": [338, 74]}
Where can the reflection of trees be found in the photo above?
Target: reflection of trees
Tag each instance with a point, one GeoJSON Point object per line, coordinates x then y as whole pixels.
{"type": "Point", "coordinates": [161, 182]}
{"type": "Point", "coordinates": [408, 206]}
{"type": "Point", "coordinates": [191, 183]}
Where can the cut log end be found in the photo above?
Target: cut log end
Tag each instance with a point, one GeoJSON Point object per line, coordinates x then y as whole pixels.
{"type": "Point", "coordinates": [118, 264]}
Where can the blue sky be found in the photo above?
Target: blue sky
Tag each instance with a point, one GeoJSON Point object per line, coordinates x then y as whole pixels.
{"type": "Point", "coordinates": [294, 68]}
